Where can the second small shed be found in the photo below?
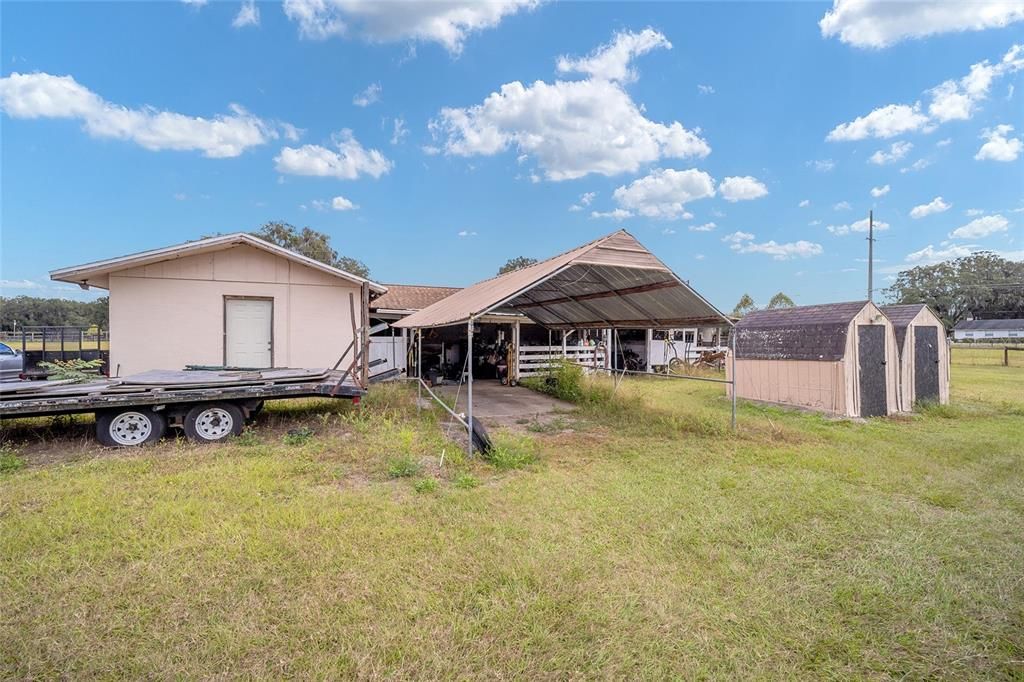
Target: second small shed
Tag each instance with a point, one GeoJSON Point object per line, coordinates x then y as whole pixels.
{"type": "Point", "coordinates": [924, 354]}
{"type": "Point", "coordinates": [838, 358]}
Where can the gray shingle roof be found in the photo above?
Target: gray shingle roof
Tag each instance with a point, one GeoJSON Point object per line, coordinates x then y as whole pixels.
{"type": "Point", "coordinates": [812, 332]}
{"type": "Point", "coordinates": [990, 325]}
{"type": "Point", "coordinates": [901, 316]}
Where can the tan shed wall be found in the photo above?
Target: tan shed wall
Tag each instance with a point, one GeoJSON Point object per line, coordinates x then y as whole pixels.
{"type": "Point", "coordinates": [827, 386]}
{"type": "Point", "coordinates": [170, 314]}
{"type": "Point", "coordinates": [907, 382]}
{"type": "Point", "coordinates": [811, 384]}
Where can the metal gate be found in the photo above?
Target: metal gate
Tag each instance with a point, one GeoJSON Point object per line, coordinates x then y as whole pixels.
{"type": "Point", "coordinates": [871, 351]}
{"type": "Point", "coordinates": [926, 364]}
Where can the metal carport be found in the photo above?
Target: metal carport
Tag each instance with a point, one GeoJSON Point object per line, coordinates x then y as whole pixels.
{"type": "Point", "coordinates": [611, 283]}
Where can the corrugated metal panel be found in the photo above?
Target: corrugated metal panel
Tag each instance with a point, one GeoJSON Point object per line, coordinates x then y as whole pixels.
{"type": "Point", "coordinates": [613, 281]}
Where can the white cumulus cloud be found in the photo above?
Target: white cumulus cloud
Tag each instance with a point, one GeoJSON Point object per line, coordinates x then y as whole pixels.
{"type": "Point", "coordinates": [706, 227]}
{"type": "Point", "coordinates": [447, 23]}
{"type": "Point", "coordinates": [585, 200]}
{"type": "Point", "coordinates": [342, 204]}
{"type": "Point", "coordinates": [368, 96]}
{"type": "Point", "coordinates": [346, 161]}
{"type": "Point", "coordinates": [616, 214]}
{"type": "Point", "coordinates": [804, 203]}
{"type": "Point", "coordinates": [880, 191]}
{"type": "Point", "coordinates": [950, 100]}
{"type": "Point", "coordinates": [881, 23]}
{"type": "Point", "coordinates": [248, 15]}
{"type": "Point", "coordinates": [612, 61]}
{"type": "Point", "coordinates": [936, 205]}
{"type": "Point", "coordinates": [981, 227]}
{"type": "Point", "coordinates": [930, 255]}
{"type": "Point", "coordinates": [998, 145]}
{"type": "Point", "coordinates": [743, 242]}
{"type": "Point", "coordinates": [743, 188]}
{"type": "Point", "coordinates": [41, 95]}
{"type": "Point", "coordinates": [571, 128]}
{"type": "Point", "coordinates": [897, 150]}
{"type": "Point", "coordinates": [857, 226]}
{"type": "Point", "coordinates": [664, 193]}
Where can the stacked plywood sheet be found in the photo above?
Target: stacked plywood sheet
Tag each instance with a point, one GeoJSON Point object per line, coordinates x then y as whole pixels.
{"type": "Point", "coordinates": [162, 381]}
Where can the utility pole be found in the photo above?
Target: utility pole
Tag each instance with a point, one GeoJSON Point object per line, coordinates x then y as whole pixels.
{"type": "Point", "coordinates": [871, 254]}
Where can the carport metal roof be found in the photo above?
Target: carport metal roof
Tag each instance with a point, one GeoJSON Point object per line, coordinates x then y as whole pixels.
{"type": "Point", "coordinates": [612, 282]}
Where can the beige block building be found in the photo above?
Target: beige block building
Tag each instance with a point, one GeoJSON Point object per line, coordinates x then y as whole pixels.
{"type": "Point", "coordinates": [232, 300]}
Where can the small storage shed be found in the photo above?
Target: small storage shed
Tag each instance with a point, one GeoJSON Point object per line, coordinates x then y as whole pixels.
{"type": "Point", "coordinates": [233, 300]}
{"type": "Point", "coordinates": [924, 354]}
{"type": "Point", "coordinates": [838, 358]}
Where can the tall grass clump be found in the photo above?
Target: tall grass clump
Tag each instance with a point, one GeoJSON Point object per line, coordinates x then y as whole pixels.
{"type": "Point", "coordinates": [9, 460]}
{"type": "Point", "coordinates": [567, 381]}
{"type": "Point", "coordinates": [512, 451]}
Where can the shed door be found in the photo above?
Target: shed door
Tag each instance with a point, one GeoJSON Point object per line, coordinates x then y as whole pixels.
{"type": "Point", "coordinates": [248, 338]}
{"type": "Point", "coordinates": [871, 350]}
{"type": "Point", "coordinates": [926, 364]}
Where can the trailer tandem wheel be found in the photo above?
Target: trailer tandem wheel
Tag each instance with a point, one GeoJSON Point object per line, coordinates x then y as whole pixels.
{"type": "Point", "coordinates": [213, 422]}
{"type": "Point", "coordinates": [129, 427]}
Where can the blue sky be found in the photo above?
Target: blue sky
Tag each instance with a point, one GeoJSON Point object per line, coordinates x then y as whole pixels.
{"type": "Point", "coordinates": [740, 142]}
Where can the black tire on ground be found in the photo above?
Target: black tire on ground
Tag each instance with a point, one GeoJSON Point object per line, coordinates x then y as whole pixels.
{"type": "Point", "coordinates": [130, 427]}
{"type": "Point", "coordinates": [254, 411]}
{"type": "Point", "coordinates": [481, 441]}
{"type": "Point", "coordinates": [213, 422]}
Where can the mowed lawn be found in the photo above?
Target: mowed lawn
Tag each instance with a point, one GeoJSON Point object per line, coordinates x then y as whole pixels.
{"type": "Point", "coordinates": [637, 539]}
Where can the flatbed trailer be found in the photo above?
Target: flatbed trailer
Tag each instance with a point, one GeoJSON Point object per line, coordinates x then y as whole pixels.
{"type": "Point", "coordinates": [129, 414]}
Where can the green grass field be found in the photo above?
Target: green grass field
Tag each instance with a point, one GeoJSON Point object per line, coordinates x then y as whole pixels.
{"type": "Point", "coordinates": [638, 538]}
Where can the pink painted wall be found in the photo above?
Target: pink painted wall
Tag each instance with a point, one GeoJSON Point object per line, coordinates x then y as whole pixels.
{"type": "Point", "coordinates": [169, 314]}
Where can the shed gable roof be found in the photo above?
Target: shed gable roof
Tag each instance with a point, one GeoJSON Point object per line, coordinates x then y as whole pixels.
{"type": "Point", "coordinates": [901, 315]}
{"type": "Point", "coordinates": [92, 274]}
{"type": "Point", "coordinates": [812, 332]}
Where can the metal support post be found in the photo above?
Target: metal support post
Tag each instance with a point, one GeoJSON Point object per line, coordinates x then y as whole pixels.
{"type": "Point", "coordinates": [469, 385]}
{"type": "Point", "coordinates": [732, 348]}
{"type": "Point", "coordinates": [649, 346]}
{"type": "Point", "coordinates": [419, 365]}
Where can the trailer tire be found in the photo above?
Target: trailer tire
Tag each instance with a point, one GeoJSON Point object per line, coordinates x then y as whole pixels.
{"type": "Point", "coordinates": [129, 427]}
{"type": "Point", "coordinates": [213, 422]}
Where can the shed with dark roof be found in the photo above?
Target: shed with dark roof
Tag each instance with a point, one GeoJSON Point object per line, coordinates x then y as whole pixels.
{"type": "Point", "coordinates": [839, 358]}
{"type": "Point", "coordinates": [924, 354]}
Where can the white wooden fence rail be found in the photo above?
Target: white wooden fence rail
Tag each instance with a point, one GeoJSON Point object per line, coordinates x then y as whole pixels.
{"type": "Point", "coordinates": [389, 348]}
{"type": "Point", "coordinates": [534, 360]}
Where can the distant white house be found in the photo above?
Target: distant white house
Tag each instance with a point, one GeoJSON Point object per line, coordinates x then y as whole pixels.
{"type": "Point", "coordinates": [989, 330]}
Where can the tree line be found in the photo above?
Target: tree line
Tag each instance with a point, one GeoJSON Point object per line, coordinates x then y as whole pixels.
{"type": "Point", "coordinates": [30, 311]}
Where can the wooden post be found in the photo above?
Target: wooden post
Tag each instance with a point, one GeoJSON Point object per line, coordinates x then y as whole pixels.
{"type": "Point", "coordinates": [513, 374]}
{"type": "Point", "coordinates": [1006, 356]}
{"type": "Point", "coordinates": [365, 339]}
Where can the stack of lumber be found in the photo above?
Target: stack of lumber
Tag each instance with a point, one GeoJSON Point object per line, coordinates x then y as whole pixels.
{"type": "Point", "coordinates": [162, 381]}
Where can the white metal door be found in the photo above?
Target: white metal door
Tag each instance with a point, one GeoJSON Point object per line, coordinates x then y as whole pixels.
{"type": "Point", "coordinates": [248, 336]}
